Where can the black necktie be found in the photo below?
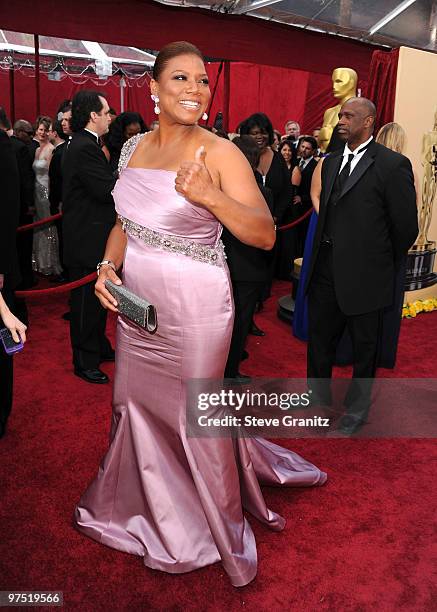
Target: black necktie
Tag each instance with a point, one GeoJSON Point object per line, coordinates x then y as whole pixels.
{"type": "Point", "coordinates": [301, 164]}
{"type": "Point", "coordinates": [344, 174]}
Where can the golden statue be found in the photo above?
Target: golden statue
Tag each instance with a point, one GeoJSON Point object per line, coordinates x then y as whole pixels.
{"type": "Point", "coordinates": [324, 137]}
{"type": "Point", "coordinates": [429, 186]}
{"type": "Point", "coordinates": [344, 87]}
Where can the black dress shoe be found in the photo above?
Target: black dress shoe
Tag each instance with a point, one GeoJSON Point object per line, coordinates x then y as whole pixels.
{"type": "Point", "coordinates": [349, 424]}
{"type": "Point", "coordinates": [242, 378]}
{"type": "Point", "coordinates": [108, 357]}
{"type": "Point", "coordinates": [95, 376]}
{"type": "Point", "coordinates": [256, 331]}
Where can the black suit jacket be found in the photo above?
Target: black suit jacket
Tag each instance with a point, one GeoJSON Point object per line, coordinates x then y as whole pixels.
{"type": "Point", "coordinates": [32, 146]}
{"type": "Point", "coordinates": [247, 263]}
{"type": "Point", "coordinates": [278, 181]}
{"type": "Point", "coordinates": [304, 188]}
{"type": "Point", "coordinates": [55, 176]}
{"type": "Point", "coordinates": [375, 224]}
{"type": "Point", "coordinates": [87, 203]}
{"type": "Point", "coordinates": [9, 211]}
{"type": "Point", "coordinates": [27, 179]}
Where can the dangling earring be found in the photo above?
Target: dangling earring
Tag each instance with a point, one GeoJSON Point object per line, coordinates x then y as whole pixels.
{"type": "Point", "coordinates": [156, 101]}
{"type": "Point", "coordinates": [204, 116]}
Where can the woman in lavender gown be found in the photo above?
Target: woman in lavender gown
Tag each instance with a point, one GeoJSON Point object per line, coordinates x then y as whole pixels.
{"type": "Point", "coordinates": [177, 501]}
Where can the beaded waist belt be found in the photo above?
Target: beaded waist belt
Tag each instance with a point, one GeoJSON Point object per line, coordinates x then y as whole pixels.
{"type": "Point", "coordinates": [205, 253]}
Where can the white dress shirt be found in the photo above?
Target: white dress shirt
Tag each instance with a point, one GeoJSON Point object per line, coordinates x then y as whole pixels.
{"type": "Point", "coordinates": [357, 153]}
{"type": "Point", "coordinates": [305, 163]}
{"type": "Point", "coordinates": [96, 136]}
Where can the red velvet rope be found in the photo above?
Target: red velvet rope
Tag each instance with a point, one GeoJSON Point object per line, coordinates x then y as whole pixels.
{"type": "Point", "coordinates": [289, 225]}
{"type": "Point", "coordinates": [24, 228]}
{"type": "Point", "coordinates": [59, 289]}
{"type": "Point", "coordinates": [91, 277]}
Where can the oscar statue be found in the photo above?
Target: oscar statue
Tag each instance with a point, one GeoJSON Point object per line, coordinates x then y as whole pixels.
{"type": "Point", "coordinates": [421, 257]}
{"type": "Point", "coordinates": [344, 87]}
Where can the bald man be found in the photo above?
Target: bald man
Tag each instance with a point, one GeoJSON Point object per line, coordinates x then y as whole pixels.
{"type": "Point", "coordinates": [25, 132]}
{"type": "Point", "coordinates": [367, 222]}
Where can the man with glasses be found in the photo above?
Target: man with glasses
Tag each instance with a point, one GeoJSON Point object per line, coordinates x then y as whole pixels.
{"type": "Point", "coordinates": [24, 131]}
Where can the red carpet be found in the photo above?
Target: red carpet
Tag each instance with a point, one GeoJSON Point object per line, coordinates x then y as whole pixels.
{"type": "Point", "coordinates": [362, 542]}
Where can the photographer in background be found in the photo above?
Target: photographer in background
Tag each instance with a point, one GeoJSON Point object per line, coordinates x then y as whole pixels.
{"type": "Point", "coordinates": [9, 270]}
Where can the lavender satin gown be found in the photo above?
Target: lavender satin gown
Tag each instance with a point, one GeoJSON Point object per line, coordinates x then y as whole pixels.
{"type": "Point", "coordinates": [176, 501]}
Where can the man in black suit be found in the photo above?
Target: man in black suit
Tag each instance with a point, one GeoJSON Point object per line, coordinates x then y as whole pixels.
{"type": "Point", "coordinates": [248, 269]}
{"type": "Point", "coordinates": [88, 217]}
{"type": "Point", "coordinates": [9, 271]}
{"type": "Point", "coordinates": [27, 187]}
{"type": "Point", "coordinates": [367, 220]}
{"type": "Point", "coordinates": [24, 131]}
{"type": "Point", "coordinates": [302, 200]}
{"type": "Point", "coordinates": [55, 169]}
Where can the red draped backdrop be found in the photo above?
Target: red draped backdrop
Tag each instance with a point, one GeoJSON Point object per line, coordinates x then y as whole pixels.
{"type": "Point", "coordinates": [281, 93]}
{"type": "Point", "coordinates": [382, 85]}
{"type": "Point", "coordinates": [275, 68]}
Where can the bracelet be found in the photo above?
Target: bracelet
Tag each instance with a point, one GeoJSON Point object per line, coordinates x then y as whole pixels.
{"type": "Point", "coordinates": [106, 262]}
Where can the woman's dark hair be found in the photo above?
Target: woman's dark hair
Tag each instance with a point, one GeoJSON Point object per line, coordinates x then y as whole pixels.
{"type": "Point", "coordinates": [170, 51]}
{"type": "Point", "coordinates": [84, 103]}
{"type": "Point", "coordinates": [64, 106]}
{"type": "Point", "coordinates": [249, 148]}
{"type": "Point", "coordinates": [285, 142]}
{"type": "Point", "coordinates": [115, 138]}
{"type": "Point", "coordinates": [257, 120]}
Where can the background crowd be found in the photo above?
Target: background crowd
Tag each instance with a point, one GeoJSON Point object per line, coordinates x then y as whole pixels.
{"type": "Point", "coordinates": [283, 162]}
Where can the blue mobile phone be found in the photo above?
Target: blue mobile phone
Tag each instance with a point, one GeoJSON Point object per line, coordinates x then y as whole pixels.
{"type": "Point", "coordinates": [9, 343]}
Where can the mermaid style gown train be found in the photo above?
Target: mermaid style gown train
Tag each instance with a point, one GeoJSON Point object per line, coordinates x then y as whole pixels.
{"type": "Point", "coordinates": [176, 501]}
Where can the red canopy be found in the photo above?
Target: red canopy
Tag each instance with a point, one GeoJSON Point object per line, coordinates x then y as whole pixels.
{"type": "Point", "coordinates": [148, 24]}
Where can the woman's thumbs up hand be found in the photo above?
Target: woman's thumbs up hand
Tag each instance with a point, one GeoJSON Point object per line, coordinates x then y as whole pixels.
{"type": "Point", "coordinates": [193, 179]}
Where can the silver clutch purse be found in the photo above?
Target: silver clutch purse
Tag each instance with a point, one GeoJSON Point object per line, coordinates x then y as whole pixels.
{"type": "Point", "coordinates": [136, 309]}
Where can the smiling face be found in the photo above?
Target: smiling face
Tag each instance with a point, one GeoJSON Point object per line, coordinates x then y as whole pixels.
{"type": "Point", "coordinates": [260, 135]}
{"type": "Point", "coordinates": [42, 133]}
{"type": "Point", "coordinates": [286, 152]}
{"type": "Point", "coordinates": [182, 89]}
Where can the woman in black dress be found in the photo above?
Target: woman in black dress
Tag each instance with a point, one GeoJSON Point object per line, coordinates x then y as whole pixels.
{"type": "Point", "coordinates": [121, 129]}
{"type": "Point", "coordinates": [275, 175]}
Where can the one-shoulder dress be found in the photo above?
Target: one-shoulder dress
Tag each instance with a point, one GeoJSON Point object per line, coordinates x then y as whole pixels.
{"type": "Point", "coordinates": [178, 501]}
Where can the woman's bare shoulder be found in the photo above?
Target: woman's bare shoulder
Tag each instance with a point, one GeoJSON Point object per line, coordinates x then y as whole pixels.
{"type": "Point", "coordinates": [220, 148]}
